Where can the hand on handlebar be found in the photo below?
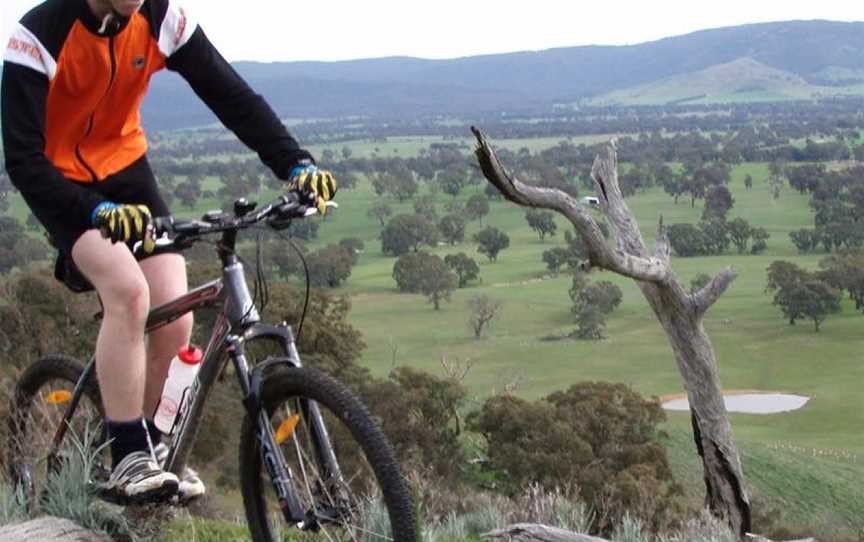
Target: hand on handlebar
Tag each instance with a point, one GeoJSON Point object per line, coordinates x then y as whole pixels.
{"type": "Point", "coordinates": [125, 223]}
{"type": "Point", "coordinates": [168, 231]}
{"type": "Point", "coordinates": [318, 184]}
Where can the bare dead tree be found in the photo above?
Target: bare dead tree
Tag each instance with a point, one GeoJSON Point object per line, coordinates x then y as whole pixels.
{"type": "Point", "coordinates": [456, 369]}
{"type": "Point", "coordinates": [679, 312]}
{"type": "Point", "coordinates": [483, 309]}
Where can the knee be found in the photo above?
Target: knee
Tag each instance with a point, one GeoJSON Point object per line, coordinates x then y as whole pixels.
{"type": "Point", "coordinates": [129, 297]}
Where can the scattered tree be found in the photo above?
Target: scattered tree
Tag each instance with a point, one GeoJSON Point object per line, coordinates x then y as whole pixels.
{"type": "Point", "coordinates": [555, 259]}
{"type": "Point", "coordinates": [776, 172]}
{"type": "Point", "coordinates": [740, 233]}
{"type": "Point", "coordinates": [452, 228]}
{"type": "Point", "coordinates": [542, 222]}
{"type": "Point", "coordinates": [403, 186]}
{"type": "Point", "coordinates": [189, 191]}
{"type": "Point", "coordinates": [801, 294]}
{"type": "Point", "coordinates": [718, 201]}
{"type": "Point", "coordinates": [592, 304]}
{"type": "Point", "coordinates": [844, 270]}
{"type": "Point", "coordinates": [408, 270]}
{"type": "Point", "coordinates": [427, 274]}
{"type": "Point", "coordinates": [491, 241]}
{"type": "Point", "coordinates": [404, 233]}
{"type": "Point", "coordinates": [438, 282]}
{"type": "Point", "coordinates": [759, 236]}
{"type": "Point", "coordinates": [425, 207]}
{"type": "Point", "coordinates": [805, 239]}
{"type": "Point", "coordinates": [330, 266]}
{"type": "Point", "coordinates": [686, 239]}
{"type": "Point", "coordinates": [465, 268]}
{"type": "Point", "coordinates": [452, 180]}
{"type": "Point", "coordinates": [380, 212]}
{"type": "Point", "coordinates": [354, 246]}
{"type": "Point", "coordinates": [813, 300]}
{"type": "Point", "coordinates": [477, 207]}
{"type": "Point", "coordinates": [715, 235]}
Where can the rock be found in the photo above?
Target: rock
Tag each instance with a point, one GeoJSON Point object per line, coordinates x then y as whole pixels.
{"type": "Point", "coordinates": [48, 529]}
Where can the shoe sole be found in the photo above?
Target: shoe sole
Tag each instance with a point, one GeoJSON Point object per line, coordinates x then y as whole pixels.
{"type": "Point", "coordinates": [158, 495]}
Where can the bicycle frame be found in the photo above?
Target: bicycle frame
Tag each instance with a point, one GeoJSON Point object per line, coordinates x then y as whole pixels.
{"type": "Point", "coordinates": [237, 324]}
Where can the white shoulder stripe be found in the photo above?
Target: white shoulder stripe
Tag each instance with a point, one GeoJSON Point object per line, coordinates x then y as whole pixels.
{"type": "Point", "coordinates": [176, 29]}
{"type": "Point", "coordinates": [25, 48]}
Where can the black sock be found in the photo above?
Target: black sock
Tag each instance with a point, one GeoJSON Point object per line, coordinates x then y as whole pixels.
{"type": "Point", "coordinates": [126, 437]}
{"type": "Point", "coordinates": [153, 431]}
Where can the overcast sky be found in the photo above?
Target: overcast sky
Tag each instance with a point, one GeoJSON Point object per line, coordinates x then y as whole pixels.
{"type": "Point", "coordinates": [268, 30]}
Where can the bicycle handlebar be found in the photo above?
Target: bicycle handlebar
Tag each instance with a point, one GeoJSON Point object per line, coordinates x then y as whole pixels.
{"type": "Point", "coordinates": [171, 233]}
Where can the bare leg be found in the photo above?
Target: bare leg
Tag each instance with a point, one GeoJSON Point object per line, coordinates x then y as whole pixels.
{"type": "Point", "coordinates": [166, 276]}
{"type": "Point", "coordinates": [120, 352]}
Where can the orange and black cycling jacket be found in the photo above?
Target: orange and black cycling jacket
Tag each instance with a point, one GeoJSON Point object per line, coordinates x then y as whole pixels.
{"type": "Point", "coordinates": [72, 88]}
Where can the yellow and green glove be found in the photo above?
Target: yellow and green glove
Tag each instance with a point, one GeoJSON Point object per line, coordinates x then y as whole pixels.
{"type": "Point", "coordinates": [124, 223]}
{"type": "Point", "coordinates": [311, 180]}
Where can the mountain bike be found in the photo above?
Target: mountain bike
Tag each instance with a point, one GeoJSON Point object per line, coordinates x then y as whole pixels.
{"type": "Point", "coordinates": [311, 457]}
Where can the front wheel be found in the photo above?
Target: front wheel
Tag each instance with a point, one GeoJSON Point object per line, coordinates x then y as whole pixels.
{"type": "Point", "coordinates": [368, 502]}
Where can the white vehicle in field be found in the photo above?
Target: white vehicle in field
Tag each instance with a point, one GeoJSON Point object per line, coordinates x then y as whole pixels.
{"type": "Point", "coordinates": [591, 200]}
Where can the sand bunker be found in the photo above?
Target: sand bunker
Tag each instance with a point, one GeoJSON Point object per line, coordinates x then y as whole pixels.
{"type": "Point", "coordinates": [749, 402]}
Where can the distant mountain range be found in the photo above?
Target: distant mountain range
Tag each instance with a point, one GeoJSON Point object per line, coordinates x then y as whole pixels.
{"type": "Point", "coordinates": [769, 61]}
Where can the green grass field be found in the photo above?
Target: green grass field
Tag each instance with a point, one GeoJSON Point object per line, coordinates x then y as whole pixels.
{"type": "Point", "coordinates": [817, 450]}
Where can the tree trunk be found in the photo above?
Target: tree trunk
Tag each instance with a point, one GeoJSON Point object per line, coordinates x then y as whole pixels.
{"type": "Point", "coordinates": [679, 312]}
{"type": "Point", "coordinates": [47, 529]}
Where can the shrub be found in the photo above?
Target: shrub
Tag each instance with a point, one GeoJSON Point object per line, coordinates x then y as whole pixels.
{"type": "Point", "coordinates": [419, 413]}
{"type": "Point", "coordinates": [597, 435]}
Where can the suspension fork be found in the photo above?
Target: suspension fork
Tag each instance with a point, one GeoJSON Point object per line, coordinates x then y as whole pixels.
{"type": "Point", "coordinates": [323, 448]}
{"type": "Point", "coordinates": [252, 385]}
{"type": "Point", "coordinates": [274, 461]}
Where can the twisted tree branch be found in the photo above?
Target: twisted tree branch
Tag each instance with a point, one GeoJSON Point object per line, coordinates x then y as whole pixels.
{"type": "Point", "coordinates": [638, 267]}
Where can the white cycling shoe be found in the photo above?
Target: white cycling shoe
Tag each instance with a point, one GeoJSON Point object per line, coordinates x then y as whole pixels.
{"type": "Point", "coordinates": [137, 479]}
{"type": "Point", "coordinates": [190, 485]}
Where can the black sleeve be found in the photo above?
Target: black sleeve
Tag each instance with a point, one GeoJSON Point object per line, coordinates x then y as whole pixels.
{"type": "Point", "coordinates": [239, 108]}
{"type": "Point", "coordinates": [22, 102]}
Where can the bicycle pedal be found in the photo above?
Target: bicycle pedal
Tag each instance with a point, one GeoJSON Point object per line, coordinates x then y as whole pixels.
{"type": "Point", "coordinates": [162, 495]}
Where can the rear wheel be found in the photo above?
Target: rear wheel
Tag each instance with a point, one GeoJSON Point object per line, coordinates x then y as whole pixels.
{"type": "Point", "coordinates": [42, 396]}
{"type": "Point", "coordinates": [369, 502]}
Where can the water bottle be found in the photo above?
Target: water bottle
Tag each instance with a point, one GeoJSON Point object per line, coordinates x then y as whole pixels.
{"type": "Point", "coordinates": [181, 374]}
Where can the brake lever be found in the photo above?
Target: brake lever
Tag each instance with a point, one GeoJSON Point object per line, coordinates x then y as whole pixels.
{"type": "Point", "coordinates": [314, 210]}
{"type": "Point", "coordinates": [161, 242]}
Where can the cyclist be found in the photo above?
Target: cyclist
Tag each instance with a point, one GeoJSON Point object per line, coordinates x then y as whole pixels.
{"type": "Point", "coordinates": [74, 75]}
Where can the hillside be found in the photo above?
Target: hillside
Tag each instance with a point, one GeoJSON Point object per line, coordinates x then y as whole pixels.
{"type": "Point", "coordinates": [743, 79]}
{"type": "Point", "coordinates": [819, 53]}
